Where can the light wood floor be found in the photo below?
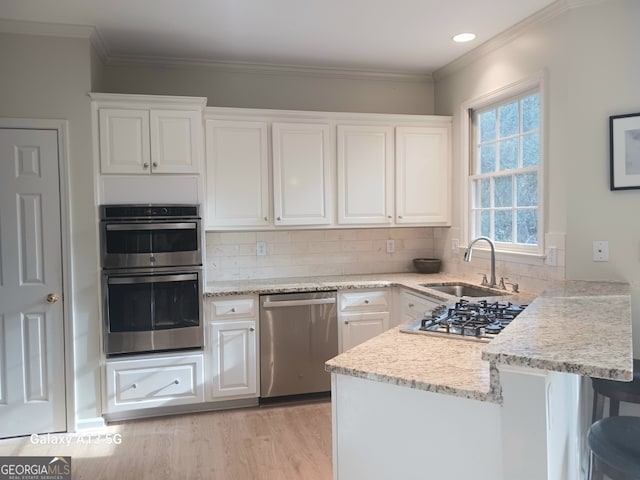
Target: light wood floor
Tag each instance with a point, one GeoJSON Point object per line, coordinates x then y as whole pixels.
{"type": "Point", "coordinates": [287, 442]}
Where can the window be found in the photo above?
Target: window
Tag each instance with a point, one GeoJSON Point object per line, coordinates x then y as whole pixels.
{"type": "Point", "coordinates": [505, 181]}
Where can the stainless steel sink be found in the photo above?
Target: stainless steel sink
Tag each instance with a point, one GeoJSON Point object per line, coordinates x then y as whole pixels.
{"type": "Point", "coordinates": [463, 290]}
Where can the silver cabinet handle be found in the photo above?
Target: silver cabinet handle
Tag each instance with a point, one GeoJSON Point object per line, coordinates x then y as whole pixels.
{"type": "Point", "coordinates": [176, 381]}
{"type": "Point", "coordinates": [266, 219]}
{"type": "Point", "coordinates": [297, 303]}
{"type": "Point", "coordinates": [411, 305]}
{"type": "Point", "coordinates": [145, 165]}
{"type": "Point", "coordinates": [278, 218]}
{"type": "Point", "coordinates": [399, 216]}
{"type": "Point", "coordinates": [366, 302]}
{"type": "Point", "coordinates": [346, 322]}
{"type": "Point", "coordinates": [251, 329]}
{"type": "Point", "coordinates": [388, 216]}
{"type": "Point", "coordinates": [154, 164]}
{"type": "Point", "coordinates": [233, 310]}
{"type": "Point", "coordinates": [134, 386]}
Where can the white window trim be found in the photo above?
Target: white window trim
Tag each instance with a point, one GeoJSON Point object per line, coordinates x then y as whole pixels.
{"type": "Point", "coordinates": [535, 81]}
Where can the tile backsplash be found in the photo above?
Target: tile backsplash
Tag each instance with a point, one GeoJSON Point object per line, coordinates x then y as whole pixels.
{"type": "Point", "coordinates": [302, 253]}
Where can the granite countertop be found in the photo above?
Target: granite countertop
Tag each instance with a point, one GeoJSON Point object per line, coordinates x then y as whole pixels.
{"type": "Point", "coordinates": [424, 362]}
{"type": "Point", "coordinates": [411, 281]}
{"type": "Point", "coordinates": [561, 330]}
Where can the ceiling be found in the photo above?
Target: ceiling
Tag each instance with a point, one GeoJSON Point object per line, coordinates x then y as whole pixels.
{"type": "Point", "coordinates": [404, 36]}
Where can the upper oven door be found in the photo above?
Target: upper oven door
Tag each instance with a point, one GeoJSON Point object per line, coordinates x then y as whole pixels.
{"type": "Point", "coordinates": [156, 243]}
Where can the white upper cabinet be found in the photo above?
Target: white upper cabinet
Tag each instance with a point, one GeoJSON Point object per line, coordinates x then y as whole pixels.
{"type": "Point", "coordinates": [365, 174]}
{"type": "Point", "coordinates": [423, 175]}
{"type": "Point", "coordinates": [124, 141]}
{"type": "Point", "coordinates": [143, 134]}
{"type": "Point", "coordinates": [302, 174]}
{"type": "Point", "coordinates": [237, 160]}
{"type": "Point", "coordinates": [176, 139]}
{"type": "Point", "coordinates": [268, 169]}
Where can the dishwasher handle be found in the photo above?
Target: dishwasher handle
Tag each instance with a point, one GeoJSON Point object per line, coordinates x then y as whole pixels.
{"type": "Point", "coordinates": [298, 303]}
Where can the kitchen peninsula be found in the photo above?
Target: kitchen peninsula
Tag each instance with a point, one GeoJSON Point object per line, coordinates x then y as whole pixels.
{"type": "Point", "coordinates": [509, 409]}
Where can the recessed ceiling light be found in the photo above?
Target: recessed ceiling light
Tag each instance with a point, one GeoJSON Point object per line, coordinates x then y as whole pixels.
{"type": "Point", "coordinates": [464, 37]}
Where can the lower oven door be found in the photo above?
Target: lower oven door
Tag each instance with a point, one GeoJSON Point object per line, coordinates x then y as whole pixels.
{"type": "Point", "coordinates": [152, 311]}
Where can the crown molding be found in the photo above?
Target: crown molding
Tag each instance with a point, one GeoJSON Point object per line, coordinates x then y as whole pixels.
{"type": "Point", "coordinates": [19, 27]}
{"type": "Point", "coordinates": [267, 68]}
{"type": "Point", "coordinates": [548, 13]}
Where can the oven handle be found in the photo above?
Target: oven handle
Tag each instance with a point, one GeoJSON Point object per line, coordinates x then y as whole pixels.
{"type": "Point", "coordinates": [152, 226]}
{"type": "Point", "coordinates": [152, 279]}
{"type": "Point", "coordinates": [298, 303]}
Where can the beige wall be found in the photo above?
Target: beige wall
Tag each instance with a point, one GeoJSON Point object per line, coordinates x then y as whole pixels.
{"type": "Point", "coordinates": [48, 78]}
{"type": "Point", "coordinates": [593, 71]}
{"type": "Point", "coordinates": [245, 88]}
{"type": "Point", "coordinates": [540, 49]}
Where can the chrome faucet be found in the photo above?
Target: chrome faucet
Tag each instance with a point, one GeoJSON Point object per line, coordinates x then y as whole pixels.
{"type": "Point", "coordinates": [469, 252]}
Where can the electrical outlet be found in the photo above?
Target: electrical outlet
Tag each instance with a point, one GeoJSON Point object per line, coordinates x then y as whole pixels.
{"type": "Point", "coordinates": [552, 256]}
{"type": "Point", "coordinates": [261, 248]}
{"type": "Point", "coordinates": [391, 246]}
{"type": "Point", "coordinates": [455, 244]}
{"type": "Point", "coordinates": [600, 251]}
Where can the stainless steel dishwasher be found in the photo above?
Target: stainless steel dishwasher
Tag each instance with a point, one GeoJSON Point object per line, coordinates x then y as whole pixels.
{"type": "Point", "coordinates": [298, 334]}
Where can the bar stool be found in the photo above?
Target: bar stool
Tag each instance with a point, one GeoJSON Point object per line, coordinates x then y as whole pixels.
{"type": "Point", "coordinates": [616, 392]}
{"type": "Point", "coordinates": [615, 448]}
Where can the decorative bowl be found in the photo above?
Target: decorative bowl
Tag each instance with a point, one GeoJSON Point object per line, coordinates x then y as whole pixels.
{"type": "Point", "coordinates": [427, 265]}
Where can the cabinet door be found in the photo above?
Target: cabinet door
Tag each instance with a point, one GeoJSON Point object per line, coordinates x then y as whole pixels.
{"type": "Point", "coordinates": [237, 174]}
{"type": "Point", "coordinates": [414, 307]}
{"type": "Point", "coordinates": [360, 327]}
{"type": "Point", "coordinates": [124, 141]}
{"type": "Point", "coordinates": [422, 175]}
{"type": "Point", "coordinates": [176, 139]}
{"type": "Point", "coordinates": [234, 359]}
{"type": "Point", "coordinates": [301, 174]}
{"type": "Point", "coordinates": [365, 174]}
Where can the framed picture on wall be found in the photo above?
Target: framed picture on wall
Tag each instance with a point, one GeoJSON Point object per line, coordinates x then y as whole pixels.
{"type": "Point", "coordinates": [624, 138]}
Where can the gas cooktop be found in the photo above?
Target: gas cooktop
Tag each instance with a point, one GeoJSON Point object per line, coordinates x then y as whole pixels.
{"type": "Point", "coordinates": [479, 321]}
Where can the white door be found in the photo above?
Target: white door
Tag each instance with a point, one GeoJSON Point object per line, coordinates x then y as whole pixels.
{"type": "Point", "coordinates": [301, 174]}
{"type": "Point", "coordinates": [32, 375]}
{"type": "Point", "coordinates": [365, 174]}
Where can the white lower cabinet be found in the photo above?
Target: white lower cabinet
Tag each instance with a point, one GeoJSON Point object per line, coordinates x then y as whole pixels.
{"type": "Point", "coordinates": [233, 362]}
{"type": "Point", "coordinates": [362, 315]}
{"type": "Point", "coordinates": [412, 306]}
{"type": "Point", "coordinates": [360, 327]}
{"type": "Point", "coordinates": [158, 381]}
{"type": "Point", "coordinates": [232, 348]}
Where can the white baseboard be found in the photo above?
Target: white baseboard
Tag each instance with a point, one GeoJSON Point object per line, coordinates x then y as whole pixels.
{"type": "Point", "coordinates": [95, 423]}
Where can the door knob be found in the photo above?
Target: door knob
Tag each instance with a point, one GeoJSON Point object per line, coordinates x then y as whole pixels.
{"type": "Point", "coordinates": [53, 298]}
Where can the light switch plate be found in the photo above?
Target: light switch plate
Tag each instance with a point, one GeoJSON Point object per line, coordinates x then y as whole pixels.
{"type": "Point", "coordinates": [552, 256]}
{"type": "Point", "coordinates": [600, 251]}
{"type": "Point", "coordinates": [391, 246]}
{"type": "Point", "coordinates": [261, 248]}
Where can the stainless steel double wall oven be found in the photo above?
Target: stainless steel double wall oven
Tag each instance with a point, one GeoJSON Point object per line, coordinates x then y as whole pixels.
{"type": "Point", "coordinates": [151, 257]}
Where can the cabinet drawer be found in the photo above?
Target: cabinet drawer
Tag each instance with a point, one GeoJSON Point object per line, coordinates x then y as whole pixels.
{"type": "Point", "coordinates": [154, 382]}
{"type": "Point", "coordinates": [364, 301]}
{"type": "Point", "coordinates": [234, 308]}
